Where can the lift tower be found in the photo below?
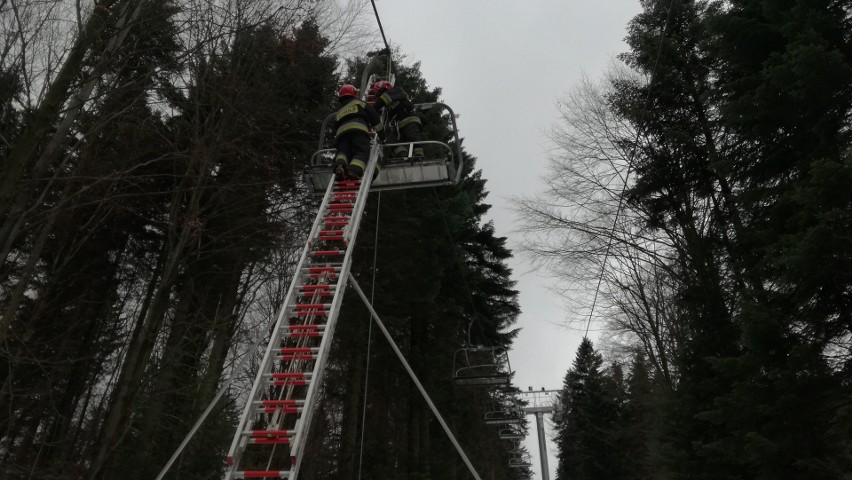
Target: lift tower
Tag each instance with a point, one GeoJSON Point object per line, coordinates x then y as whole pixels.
{"type": "Point", "coordinates": [538, 403]}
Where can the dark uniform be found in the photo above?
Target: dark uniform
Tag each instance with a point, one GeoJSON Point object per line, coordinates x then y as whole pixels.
{"type": "Point", "coordinates": [352, 137]}
{"type": "Point", "coordinates": [401, 110]}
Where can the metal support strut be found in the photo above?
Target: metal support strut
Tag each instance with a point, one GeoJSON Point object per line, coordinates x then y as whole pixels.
{"type": "Point", "coordinates": [542, 446]}
{"type": "Point", "coordinates": [414, 378]}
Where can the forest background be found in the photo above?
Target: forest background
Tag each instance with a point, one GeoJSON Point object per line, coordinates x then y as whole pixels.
{"type": "Point", "coordinates": [707, 180]}
{"type": "Point", "coordinates": [153, 210]}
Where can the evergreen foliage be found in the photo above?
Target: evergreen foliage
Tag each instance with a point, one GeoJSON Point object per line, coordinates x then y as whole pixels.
{"type": "Point", "coordinates": [737, 200]}
{"type": "Point", "coordinates": [153, 211]}
{"type": "Point", "coordinates": [440, 271]}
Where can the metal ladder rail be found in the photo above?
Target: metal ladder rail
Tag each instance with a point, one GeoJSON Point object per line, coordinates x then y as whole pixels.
{"type": "Point", "coordinates": [238, 443]}
{"type": "Point", "coordinates": [296, 374]}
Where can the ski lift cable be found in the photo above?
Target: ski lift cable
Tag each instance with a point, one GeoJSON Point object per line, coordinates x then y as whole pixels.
{"type": "Point", "coordinates": [369, 338]}
{"type": "Point", "coordinates": [630, 158]}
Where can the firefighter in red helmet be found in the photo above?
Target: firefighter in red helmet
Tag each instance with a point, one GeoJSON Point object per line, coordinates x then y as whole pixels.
{"type": "Point", "coordinates": [354, 120]}
{"type": "Point", "coordinates": [401, 110]}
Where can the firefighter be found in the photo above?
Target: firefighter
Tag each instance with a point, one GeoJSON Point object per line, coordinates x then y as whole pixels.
{"type": "Point", "coordinates": [401, 110]}
{"type": "Point", "coordinates": [352, 137]}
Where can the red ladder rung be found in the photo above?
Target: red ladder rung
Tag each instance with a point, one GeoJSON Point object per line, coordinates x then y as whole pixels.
{"type": "Point", "coordinates": [328, 253]}
{"type": "Point", "coordinates": [288, 375]}
{"type": "Point", "coordinates": [347, 183]}
{"type": "Point", "coordinates": [270, 433]}
{"type": "Point", "coordinates": [293, 328]}
{"type": "Point", "coordinates": [299, 350]}
{"type": "Point", "coordinates": [305, 334]}
{"type": "Point", "coordinates": [264, 473]}
{"type": "Point", "coordinates": [321, 269]}
{"type": "Point", "coordinates": [316, 287]}
{"type": "Point", "coordinates": [289, 383]}
{"type": "Point", "coordinates": [283, 410]}
{"type": "Point", "coordinates": [318, 293]}
{"type": "Point", "coordinates": [269, 441]}
{"type": "Point", "coordinates": [280, 403]}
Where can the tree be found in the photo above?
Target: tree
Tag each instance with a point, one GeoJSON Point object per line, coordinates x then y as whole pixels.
{"type": "Point", "coordinates": [439, 269]}
{"type": "Point", "coordinates": [586, 436]}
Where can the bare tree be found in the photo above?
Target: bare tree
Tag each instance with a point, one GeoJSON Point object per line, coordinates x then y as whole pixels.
{"type": "Point", "coordinates": [582, 229]}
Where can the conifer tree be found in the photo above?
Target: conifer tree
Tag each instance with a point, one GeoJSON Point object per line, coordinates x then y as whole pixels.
{"type": "Point", "coordinates": [586, 436]}
{"type": "Point", "coordinates": [439, 269]}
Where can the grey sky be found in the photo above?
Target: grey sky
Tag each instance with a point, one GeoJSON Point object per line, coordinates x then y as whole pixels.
{"type": "Point", "coordinates": [502, 66]}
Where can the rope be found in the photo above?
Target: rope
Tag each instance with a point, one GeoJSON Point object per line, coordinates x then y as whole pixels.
{"type": "Point", "coordinates": [369, 339]}
{"type": "Point", "coordinates": [630, 157]}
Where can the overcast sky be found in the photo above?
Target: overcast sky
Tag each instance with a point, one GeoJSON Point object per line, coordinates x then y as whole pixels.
{"type": "Point", "coordinates": [502, 65]}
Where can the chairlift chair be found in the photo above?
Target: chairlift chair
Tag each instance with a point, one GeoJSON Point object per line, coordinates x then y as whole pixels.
{"type": "Point", "coordinates": [503, 417]}
{"type": "Point", "coordinates": [481, 366]}
{"type": "Point", "coordinates": [443, 165]}
{"type": "Point", "coordinates": [520, 462]}
{"type": "Point", "coordinates": [511, 434]}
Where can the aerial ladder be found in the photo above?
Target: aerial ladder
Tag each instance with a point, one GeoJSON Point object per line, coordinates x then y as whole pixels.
{"type": "Point", "coordinates": [274, 426]}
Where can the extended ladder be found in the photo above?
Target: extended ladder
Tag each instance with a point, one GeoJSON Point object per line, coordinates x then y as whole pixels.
{"type": "Point", "coordinates": [273, 429]}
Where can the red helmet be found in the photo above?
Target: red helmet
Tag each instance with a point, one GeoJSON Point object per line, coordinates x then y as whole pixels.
{"type": "Point", "coordinates": [381, 86]}
{"type": "Point", "coordinates": [347, 91]}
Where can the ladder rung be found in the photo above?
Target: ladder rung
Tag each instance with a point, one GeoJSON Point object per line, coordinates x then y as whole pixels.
{"type": "Point", "coordinates": [291, 378]}
{"type": "Point", "coordinates": [328, 253]}
{"type": "Point", "coordinates": [283, 406]}
{"type": "Point", "coordinates": [298, 353]}
{"type": "Point", "coordinates": [305, 331]}
{"type": "Point", "coordinates": [326, 286]}
{"type": "Point", "coordinates": [347, 183]}
{"type": "Point", "coordinates": [294, 410]}
{"type": "Point", "coordinates": [316, 292]}
{"type": "Point", "coordinates": [304, 334]}
{"type": "Point", "coordinates": [340, 207]}
{"type": "Point", "coordinates": [312, 306]}
{"type": "Point", "coordinates": [306, 328]}
{"type": "Point", "coordinates": [290, 382]}
{"type": "Point", "coordinates": [330, 276]}
{"type": "Point", "coordinates": [289, 350]}
{"type": "Point", "coordinates": [337, 220]}
{"type": "Point", "coordinates": [269, 441]}
{"type": "Point", "coordinates": [289, 374]}
{"type": "Point", "coordinates": [323, 269]}
{"type": "Point", "coordinates": [281, 403]}
{"type": "Point", "coordinates": [269, 433]}
{"type": "Point", "coordinates": [262, 474]}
